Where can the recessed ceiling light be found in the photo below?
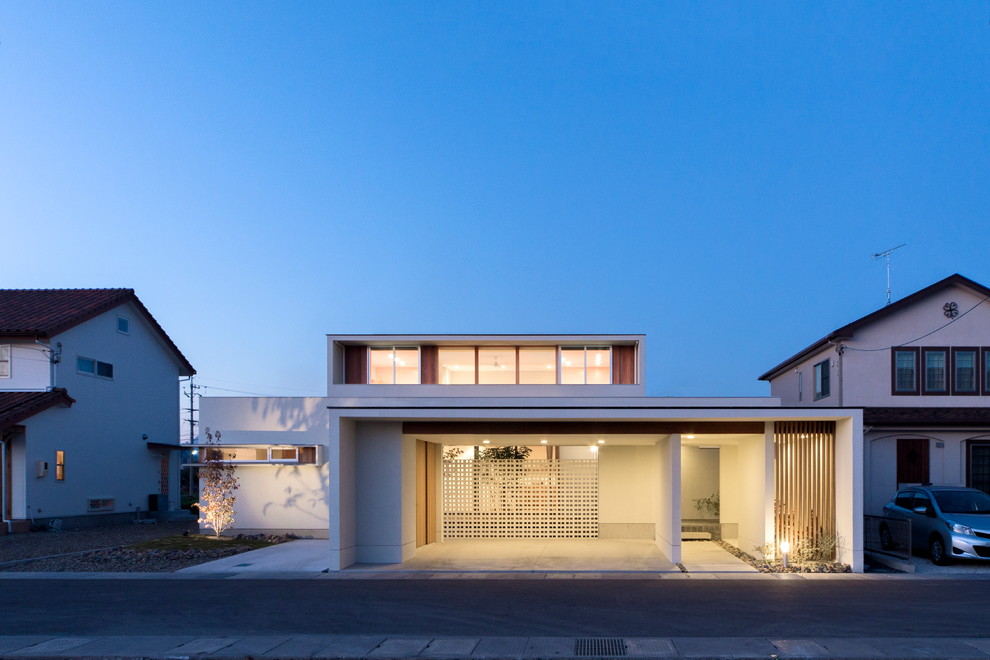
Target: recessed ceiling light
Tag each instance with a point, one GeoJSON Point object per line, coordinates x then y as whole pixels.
{"type": "Point", "coordinates": [543, 442]}
{"type": "Point", "coordinates": [601, 442]}
{"type": "Point", "coordinates": [689, 437]}
{"type": "Point", "coordinates": [485, 442]}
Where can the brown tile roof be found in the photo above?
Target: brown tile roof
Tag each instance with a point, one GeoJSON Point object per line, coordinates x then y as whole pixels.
{"type": "Point", "coordinates": [927, 416]}
{"type": "Point", "coordinates": [47, 312]}
{"type": "Point", "coordinates": [846, 331]}
{"type": "Point", "coordinates": [15, 407]}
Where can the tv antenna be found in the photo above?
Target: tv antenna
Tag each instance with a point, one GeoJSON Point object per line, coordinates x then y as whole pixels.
{"type": "Point", "coordinates": [886, 255]}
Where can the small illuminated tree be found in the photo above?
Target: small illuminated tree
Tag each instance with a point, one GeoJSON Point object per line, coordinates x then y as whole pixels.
{"type": "Point", "coordinates": [217, 483]}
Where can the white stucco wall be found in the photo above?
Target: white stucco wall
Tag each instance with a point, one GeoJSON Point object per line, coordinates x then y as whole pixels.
{"type": "Point", "coordinates": [699, 479]}
{"type": "Point", "coordinates": [29, 367]}
{"type": "Point", "coordinates": [754, 494]}
{"type": "Point", "coordinates": [729, 479]}
{"type": "Point", "coordinates": [106, 455]}
{"type": "Point", "coordinates": [627, 478]}
{"type": "Point", "coordinates": [276, 498]}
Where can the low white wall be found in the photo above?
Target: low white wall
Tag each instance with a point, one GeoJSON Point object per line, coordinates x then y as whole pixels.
{"type": "Point", "coordinates": [699, 479]}
{"type": "Point", "coordinates": [627, 477]}
{"type": "Point", "coordinates": [282, 498]}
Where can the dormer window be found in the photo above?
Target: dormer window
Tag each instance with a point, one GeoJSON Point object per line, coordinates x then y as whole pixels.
{"type": "Point", "coordinates": [393, 365]}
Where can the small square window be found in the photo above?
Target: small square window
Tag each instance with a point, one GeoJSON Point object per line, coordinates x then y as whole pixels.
{"type": "Point", "coordinates": [123, 325]}
{"type": "Point", "coordinates": [104, 369]}
{"type": "Point", "coordinates": [86, 365]}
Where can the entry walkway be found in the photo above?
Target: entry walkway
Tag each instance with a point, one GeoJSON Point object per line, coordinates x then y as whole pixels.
{"type": "Point", "coordinates": [469, 557]}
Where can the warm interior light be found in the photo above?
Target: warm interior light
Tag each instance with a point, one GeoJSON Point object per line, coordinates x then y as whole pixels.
{"type": "Point", "coordinates": [543, 442]}
{"type": "Point", "coordinates": [593, 449]}
{"type": "Point", "coordinates": [785, 547]}
{"type": "Point", "coordinates": [601, 442]}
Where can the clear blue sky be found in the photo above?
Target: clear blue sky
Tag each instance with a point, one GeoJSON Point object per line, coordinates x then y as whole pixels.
{"type": "Point", "coordinates": [715, 175]}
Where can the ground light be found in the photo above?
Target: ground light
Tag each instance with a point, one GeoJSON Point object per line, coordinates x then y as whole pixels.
{"type": "Point", "coordinates": [785, 547]}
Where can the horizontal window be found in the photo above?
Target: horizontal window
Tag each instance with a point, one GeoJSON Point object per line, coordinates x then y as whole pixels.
{"type": "Point", "coordinates": [940, 370]}
{"type": "Point", "coordinates": [255, 455]}
{"type": "Point", "coordinates": [94, 367]}
{"type": "Point", "coordinates": [393, 365]}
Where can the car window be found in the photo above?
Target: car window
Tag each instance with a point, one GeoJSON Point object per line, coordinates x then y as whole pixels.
{"type": "Point", "coordinates": [962, 501]}
{"type": "Point", "coordinates": [921, 499]}
{"type": "Point", "coordinates": [905, 499]}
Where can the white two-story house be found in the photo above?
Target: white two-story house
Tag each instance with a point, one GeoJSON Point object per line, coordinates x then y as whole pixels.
{"type": "Point", "coordinates": [88, 408]}
{"type": "Point", "coordinates": [394, 457]}
{"type": "Point", "coordinates": [920, 370]}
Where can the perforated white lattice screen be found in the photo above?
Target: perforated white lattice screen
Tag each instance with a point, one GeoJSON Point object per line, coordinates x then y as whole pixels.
{"type": "Point", "coordinates": [509, 498]}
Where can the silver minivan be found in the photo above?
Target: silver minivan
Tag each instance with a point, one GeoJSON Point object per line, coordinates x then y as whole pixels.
{"type": "Point", "coordinates": [950, 522]}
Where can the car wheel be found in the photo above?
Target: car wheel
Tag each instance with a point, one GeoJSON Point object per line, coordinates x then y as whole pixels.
{"type": "Point", "coordinates": [886, 542]}
{"type": "Point", "coordinates": [937, 549]}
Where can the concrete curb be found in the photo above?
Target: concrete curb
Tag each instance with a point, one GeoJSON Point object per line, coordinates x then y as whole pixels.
{"type": "Point", "coordinates": [383, 647]}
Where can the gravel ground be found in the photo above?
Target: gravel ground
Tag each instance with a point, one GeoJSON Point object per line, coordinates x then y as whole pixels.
{"type": "Point", "coordinates": [101, 549]}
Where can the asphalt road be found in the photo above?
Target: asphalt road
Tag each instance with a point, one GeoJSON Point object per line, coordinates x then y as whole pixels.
{"type": "Point", "coordinates": [652, 608]}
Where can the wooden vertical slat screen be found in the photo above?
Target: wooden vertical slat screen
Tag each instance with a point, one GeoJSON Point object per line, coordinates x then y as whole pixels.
{"type": "Point", "coordinates": [804, 483]}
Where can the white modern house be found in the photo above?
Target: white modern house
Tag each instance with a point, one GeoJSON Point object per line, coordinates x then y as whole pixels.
{"type": "Point", "coordinates": [88, 407]}
{"type": "Point", "coordinates": [920, 370]}
{"type": "Point", "coordinates": [364, 466]}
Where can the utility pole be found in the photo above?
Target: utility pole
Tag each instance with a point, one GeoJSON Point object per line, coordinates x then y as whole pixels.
{"type": "Point", "coordinates": [886, 255]}
{"type": "Point", "coordinates": [192, 408]}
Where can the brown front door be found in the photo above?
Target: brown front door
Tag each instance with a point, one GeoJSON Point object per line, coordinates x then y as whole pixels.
{"type": "Point", "coordinates": [912, 461]}
{"type": "Point", "coordinates": [426, 493]}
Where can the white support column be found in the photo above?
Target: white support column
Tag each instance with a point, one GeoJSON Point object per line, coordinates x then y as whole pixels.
{"type": "Point", "coordinates": [341, 493]}
{"type": "Point", "coordinates": [849, 489]}
{"type": "Point", "coordinates": [668, 533]}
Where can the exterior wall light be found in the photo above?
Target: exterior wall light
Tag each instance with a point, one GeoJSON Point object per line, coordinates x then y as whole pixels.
{"type": "Point", "coordinates": [785, 548]}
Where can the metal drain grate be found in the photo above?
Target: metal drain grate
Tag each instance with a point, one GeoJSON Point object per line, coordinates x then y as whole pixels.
{"type": "Point", "coordinates": [599, 646]}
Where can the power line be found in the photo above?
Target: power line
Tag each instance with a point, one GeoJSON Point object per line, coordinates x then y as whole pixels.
{"type": "Point", "coordinates": [927, 334]}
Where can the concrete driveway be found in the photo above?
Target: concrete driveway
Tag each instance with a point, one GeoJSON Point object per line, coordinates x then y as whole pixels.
{"type": "Point", "coordinates": [489, 555]}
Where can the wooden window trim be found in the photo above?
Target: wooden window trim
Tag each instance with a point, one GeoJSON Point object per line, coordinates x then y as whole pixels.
{"type": "Point", "coordinates": [977, 368]}
{"type": "Point", "coordinates": [925, 350]}
{"type": "Point", "coordinates": [893, 370]}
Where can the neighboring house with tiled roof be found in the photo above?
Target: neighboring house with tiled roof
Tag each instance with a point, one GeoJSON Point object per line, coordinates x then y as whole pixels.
{"type": "Point", "coordinates": [920, 370]}
{"type": "Point", "coordinates": [89, 403]}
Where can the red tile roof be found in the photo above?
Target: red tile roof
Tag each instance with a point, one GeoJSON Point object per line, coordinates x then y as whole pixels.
{"type": "Point", "coordinates": [15, 407]}
{"type": "Point", "coordinates": [47, 312]}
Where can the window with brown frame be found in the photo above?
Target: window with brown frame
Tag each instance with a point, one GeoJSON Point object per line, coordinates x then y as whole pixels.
{"type": "Point", "coordinates": [904, 370]}
{"type": "Point", "coordinates": [60, 465]}
{"type": "Point", "coordinates": [936, 370]}
{"type": "Point", "coordinates": [965, 370]}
